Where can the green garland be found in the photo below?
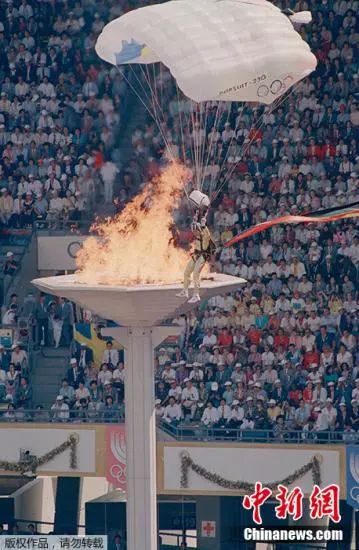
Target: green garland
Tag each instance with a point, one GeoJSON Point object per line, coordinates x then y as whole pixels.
{"type": "Point", "coordinates": [187, 463]}
{"type": "Point", "coordinates": [32, 465]}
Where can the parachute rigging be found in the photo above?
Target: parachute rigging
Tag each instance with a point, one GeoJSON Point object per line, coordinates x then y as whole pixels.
{"type": "Point", "coordinates": [193, 42]}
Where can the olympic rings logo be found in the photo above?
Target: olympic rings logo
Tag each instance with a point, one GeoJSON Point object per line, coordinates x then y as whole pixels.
{"type": "Point", "coordinates": [275, 87]}
{"type": "Point", "coordinates": [118, 472]}
{"type": "Point", "coordinates": [73, 248]}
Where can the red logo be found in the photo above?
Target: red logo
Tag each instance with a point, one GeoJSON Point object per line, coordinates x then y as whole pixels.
{"type": "Point", "coordinates": [325, 502]}
{"type": "Point", "coordinates": [322, 502]}
{"type": "Point", "coordinates": [116, 456]}
{"type": "Point", "coordinates": [290, 503]}
{"type": "Point", "coordinates": [256, 500]}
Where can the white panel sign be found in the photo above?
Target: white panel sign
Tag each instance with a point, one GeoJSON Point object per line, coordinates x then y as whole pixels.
{"type": "Point", "coordinates": [58, 253]}
{"type": "Point", "coordinates": [39, 441]}
{"type": "Point", "coordinates": [267, 465]}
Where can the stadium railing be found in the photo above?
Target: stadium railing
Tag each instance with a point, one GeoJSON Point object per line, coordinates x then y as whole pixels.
{"type": "Point", "coordinates": [74, 416]}
{"type": "Point", "coordinates": [198, 432]}
{"type": "Point", "coordinates": [187, 432]}
{"type": "Point", "coordinates": [62, 227]}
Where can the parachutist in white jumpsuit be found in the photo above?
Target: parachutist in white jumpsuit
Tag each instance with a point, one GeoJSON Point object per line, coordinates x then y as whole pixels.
{"type": "Point", "coordinates": [204, 247]}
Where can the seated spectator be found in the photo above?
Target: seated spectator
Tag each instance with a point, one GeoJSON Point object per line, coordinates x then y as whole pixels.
{"type": "Point", "coordinates": [189, 398]}
{"type": "Point", "coordinates": [224, 412]}
{"type": "Point", "coordinates": [172, 412]}
{"type": "Point", "coordinates": [19, 357]}
{"type": "Point", "coordinates": [159, 409]}
{"type": "Point", "coordinates": [81, 393]}
{"type": "Point", "coordinates": [236, 416]}
{"type": "Point", "coordinates": [40, 415]}
{"type": "Point", "coordinates": [118, 375]}
{"type": "Point", "coordinates": [110, 411]}
{"type": "Point", "coordinates": [67, 392]}
{"type": "Point", "coordinates": [95, 394]}
{"type": "Point", "coordinates": [10, 316]}
{"type": "Point", "coordinates": [105, 375]}
{"type": "Point", "coordinates": [12, 375]}
{"type": "Point", "coordinates": [60, 410]}
{"type": "Point", "coordinates": [168, 372]}
{"type": "Point", "coordinates": [210, 415]}
{"type": "Point", "coordinates": [24, 394]}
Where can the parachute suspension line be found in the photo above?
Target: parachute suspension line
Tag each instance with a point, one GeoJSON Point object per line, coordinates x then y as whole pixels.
{"type": "Point", "coordinates": [198, 137]}
{"type": "Point", "coordinates": [179, 113]}
{"type": "Point", "coordinates": [210, 149]}
{"type": "Point", "coordinates": [242, 152]}
{"type": "Point", "coordinates": [157, 112]}
{"type": "Point", "coordinates": [203, 144]}
{"type": "Point", "coordinates": [188, 115]}
{"type": "Point", "coordinates": [149, 100]}
{"type": "Point", "coordinates": [201, 124]}
{"type": "Point", "coordinates": [222, 109]}
{"type": "Point", "coordinates": [154, 114]}
{"type": "Point", "coordinates": [152, 86]}
{"type": "Point", "coordinates": [229, 145]}
{"type": "Point", "coordinates": [161, 84]}
{"type": "Point", "coordinates": [184, 124]}
{"type": "Point", "coordinates": [200, 142]}
{"type": "Point", "coordinates": [194, 137]}
{"type": "Point", "coordinates": [244, 149]}
{"type": "Point", "coordinates": [147, 97]}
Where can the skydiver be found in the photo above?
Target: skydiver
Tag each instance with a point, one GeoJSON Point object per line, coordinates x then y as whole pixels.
{"type": "Point", "coordinates": [204, 247]}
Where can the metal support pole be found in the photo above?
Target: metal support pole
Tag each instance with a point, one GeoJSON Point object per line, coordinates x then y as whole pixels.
{"type": "Point", "coordinates": [141, 509]}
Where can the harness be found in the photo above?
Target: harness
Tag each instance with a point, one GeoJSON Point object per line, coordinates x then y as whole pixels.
{"type": "Point", "coordinates": [201, 251]}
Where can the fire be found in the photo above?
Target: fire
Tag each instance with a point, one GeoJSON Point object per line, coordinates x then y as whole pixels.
{"type": "Point", "coordinates": [137, 247]}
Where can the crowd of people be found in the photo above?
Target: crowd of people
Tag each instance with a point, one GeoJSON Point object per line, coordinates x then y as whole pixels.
{"type": "Point", "coordinates": [89, 393]}
{"type": "Point", "coordinates": [281, 354]}
{"type": "Point", "coordinates": [59, 112]}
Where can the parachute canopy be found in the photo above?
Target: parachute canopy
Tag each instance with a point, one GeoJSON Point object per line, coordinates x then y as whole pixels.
{"type": "Point", "coordinates": [222, 50]}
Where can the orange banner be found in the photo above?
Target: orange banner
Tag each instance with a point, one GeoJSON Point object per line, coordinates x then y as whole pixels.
{"type": "Point", "coordinates": [291, 219]}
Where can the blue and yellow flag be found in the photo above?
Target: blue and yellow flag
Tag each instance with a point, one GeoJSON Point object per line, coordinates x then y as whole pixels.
{"type": "Point", "coordinates": [85, 333]}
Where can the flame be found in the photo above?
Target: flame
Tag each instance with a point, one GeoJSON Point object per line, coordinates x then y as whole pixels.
{"type": "Point", "coordinates": [137, 246]}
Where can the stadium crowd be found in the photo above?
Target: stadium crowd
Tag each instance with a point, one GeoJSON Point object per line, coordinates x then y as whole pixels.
{"type": "Point", "coordinates": [59, 112]}
{"type": "Point", "coordinates": [282, 353]}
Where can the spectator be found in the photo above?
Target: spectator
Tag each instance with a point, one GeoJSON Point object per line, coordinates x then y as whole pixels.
{"type": "Point", "coordinates": [110, 355]}
{"type": "Point", "coordinates": [24, 394]}
{"type": "Point", "coordinates": [60, 410]}
{"type": "Point", "coordinates": [75, 374]}
{"type": "Point", "coordinates": [210, 415]}
{"type": "Point", "coordinates": [172, 412]}
{"type": "Point", "coordinates": [41, 315]}
{"type": "Point", "coordinates": [19, 357]}
{"type": "Point", "coordinates": [67, 392]}
{"type": "Point", "coordinates": [84, 356]}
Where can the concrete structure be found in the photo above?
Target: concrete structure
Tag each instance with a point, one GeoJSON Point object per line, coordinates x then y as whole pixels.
{"type": "Point", "coordinates": [139, 309]}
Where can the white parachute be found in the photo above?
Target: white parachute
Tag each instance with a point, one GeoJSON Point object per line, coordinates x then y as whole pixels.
{"type": "Point", "coordinates": [221, 50]}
